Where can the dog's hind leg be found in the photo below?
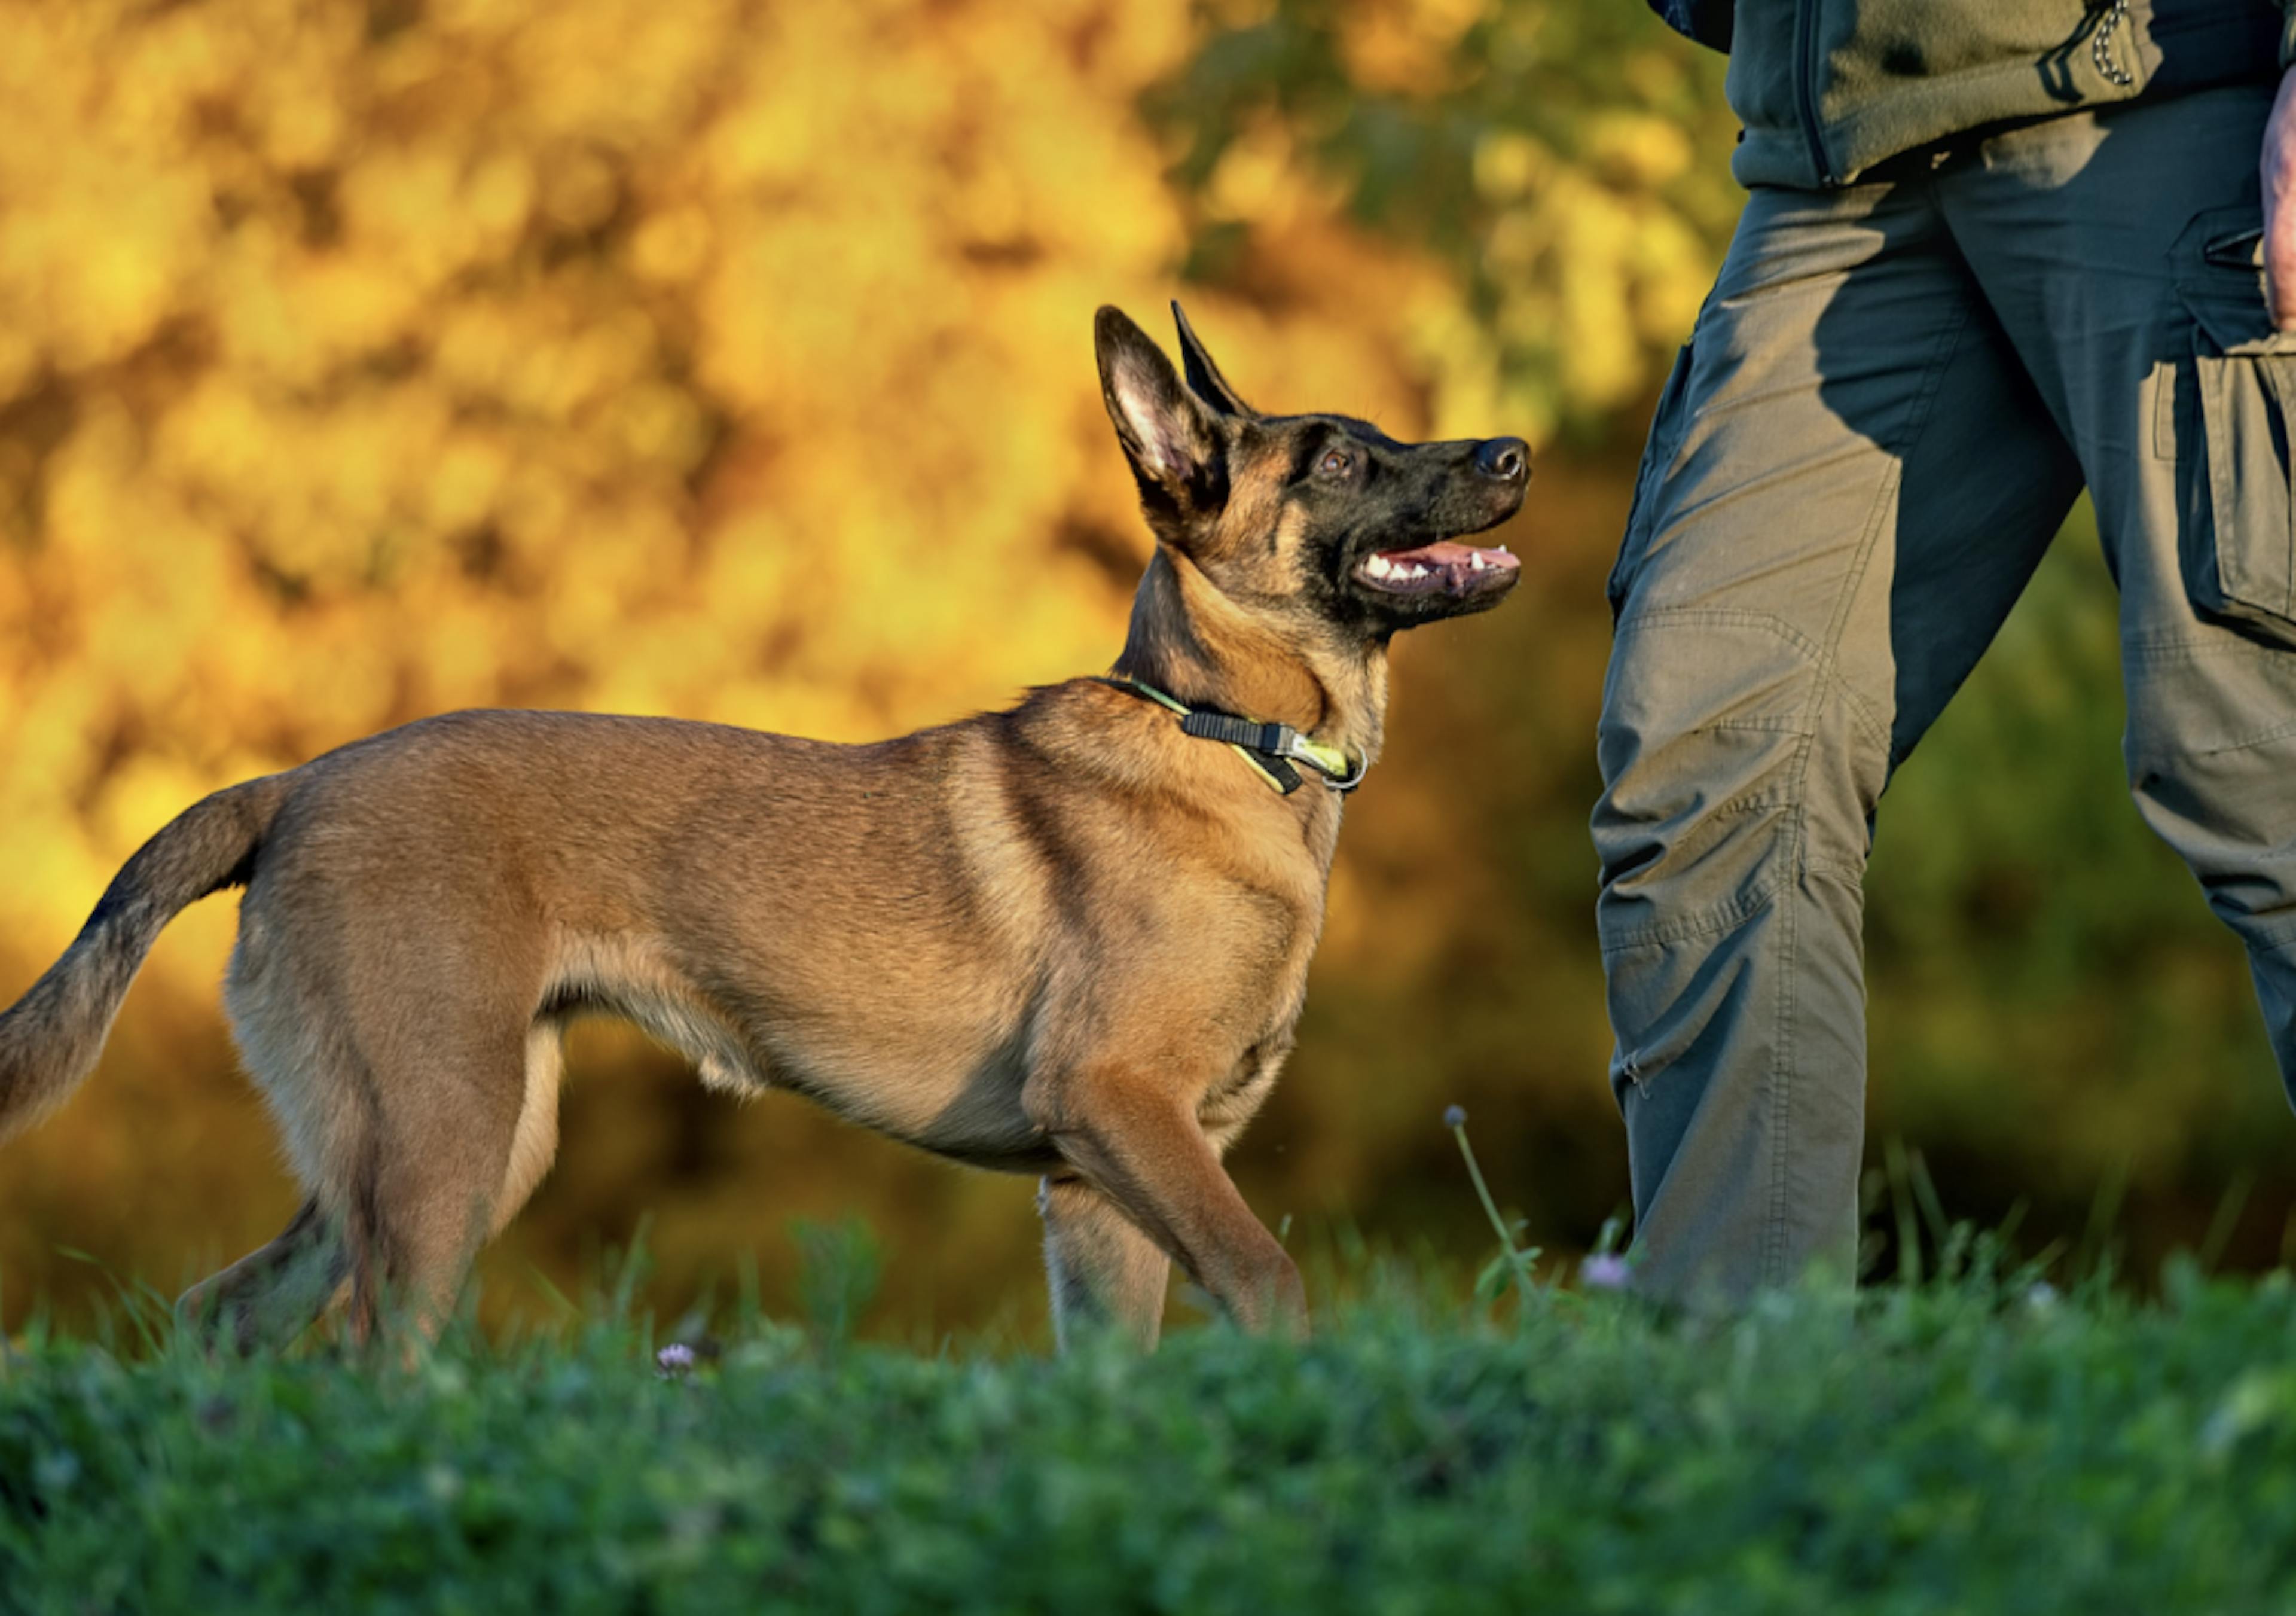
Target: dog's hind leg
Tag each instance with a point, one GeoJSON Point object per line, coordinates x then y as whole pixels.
{"type": "Point", "coordinates": [269, 1297]}
{"type": "Point", "coordinates": [423, 1201]}
{"type": "Point", "coordinates": [428, 1174]}
{"type": "Point", "coordinates": [1104, 1274]}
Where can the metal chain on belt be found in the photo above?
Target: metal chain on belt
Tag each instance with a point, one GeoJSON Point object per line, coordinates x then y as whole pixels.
{"type": "Point", "coordinates": [2100, 45]}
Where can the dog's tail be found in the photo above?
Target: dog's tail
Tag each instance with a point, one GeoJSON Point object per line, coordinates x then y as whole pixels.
{"type": "Point", "coordinates": [49, 1039]}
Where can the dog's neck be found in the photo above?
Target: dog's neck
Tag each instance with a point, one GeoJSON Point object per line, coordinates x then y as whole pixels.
{"type": "Point", "coordinates": [1190, 640]}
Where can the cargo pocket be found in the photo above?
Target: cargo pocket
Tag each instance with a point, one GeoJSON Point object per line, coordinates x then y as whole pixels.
{"type": "Point", "coordinates": [1668, 422]}
{"type": "Point", "coordinates": [2239, 544]}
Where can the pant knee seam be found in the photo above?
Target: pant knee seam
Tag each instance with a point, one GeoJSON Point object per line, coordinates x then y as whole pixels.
{"type": "Point", "coordinates": [2281, 947]}
{"type": "Point", "coordinates": [1718, 921]}
{"type": "Point", "coordinates": [1781, 1085]}
{"type": "Point", "coordinates": [1727, 617]}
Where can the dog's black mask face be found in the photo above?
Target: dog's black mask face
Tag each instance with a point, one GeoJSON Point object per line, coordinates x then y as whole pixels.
{"type": "Point", "coordinates": [1317, 514]}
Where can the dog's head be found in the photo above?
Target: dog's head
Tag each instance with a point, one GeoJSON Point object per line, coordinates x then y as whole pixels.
{"type": "Point", "coordinates": [1323, 516]}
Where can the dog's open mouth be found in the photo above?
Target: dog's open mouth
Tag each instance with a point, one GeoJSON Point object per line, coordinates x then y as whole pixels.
{"type": "Point", "coordinates": [1446, 568]}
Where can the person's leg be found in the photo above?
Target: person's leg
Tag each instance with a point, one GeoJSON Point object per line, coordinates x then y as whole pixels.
{"type": "Point", "coordinates": [2118, 249]}
{"type": "Point", "coordinates": [1848, 482]}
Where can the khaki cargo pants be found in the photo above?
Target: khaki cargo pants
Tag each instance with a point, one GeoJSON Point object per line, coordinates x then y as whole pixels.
{"type": "Point", "coordinates": [1889, 403]}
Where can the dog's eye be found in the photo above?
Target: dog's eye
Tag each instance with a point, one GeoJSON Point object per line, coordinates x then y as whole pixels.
{"type": "Point", "coordinates": [1336, 462]}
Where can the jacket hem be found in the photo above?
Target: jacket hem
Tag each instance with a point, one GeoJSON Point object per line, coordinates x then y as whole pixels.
{"type": "Point", "coordinates": [1932, 110]}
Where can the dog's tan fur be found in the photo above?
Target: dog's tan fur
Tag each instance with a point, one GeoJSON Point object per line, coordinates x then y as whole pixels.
{"type": "Point", "coordinates": [1064, 939]}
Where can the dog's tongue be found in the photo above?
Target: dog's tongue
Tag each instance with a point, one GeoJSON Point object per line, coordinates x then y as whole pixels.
{"type": "Point", "coordinates": [1450, 553]}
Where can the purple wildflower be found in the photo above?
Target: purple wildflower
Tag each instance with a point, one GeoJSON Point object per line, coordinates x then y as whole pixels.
{"type": "Point", "coordinates": [1455, 1116]}
{"type": "Point", "coordinates": [675, 1361]}
{"type": "Point", "coordinates": [1604, 1272]}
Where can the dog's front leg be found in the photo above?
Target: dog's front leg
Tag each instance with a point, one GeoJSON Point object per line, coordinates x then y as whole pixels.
{"type": "Point", "coordinates": [1139, 1147]}
{"type": "Point", "coordinates": [1103, 1273]}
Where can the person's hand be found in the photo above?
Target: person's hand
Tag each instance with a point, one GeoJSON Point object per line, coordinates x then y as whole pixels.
{"type": "Point", "coordinates": [2279, 169]}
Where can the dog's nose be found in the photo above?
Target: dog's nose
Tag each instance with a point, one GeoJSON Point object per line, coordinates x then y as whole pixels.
{"type": "Point", "coordinates": [1508, 459]}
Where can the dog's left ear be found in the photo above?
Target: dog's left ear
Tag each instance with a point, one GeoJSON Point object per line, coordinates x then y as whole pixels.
{"type": "Point", "coordinates": [1204, 378]}
{"type": "Point", "coordinates": [1169, 435]}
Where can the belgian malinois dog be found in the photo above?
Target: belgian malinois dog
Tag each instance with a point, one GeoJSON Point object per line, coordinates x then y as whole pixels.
{"type": "Point", "coordinates": [1068, 940]}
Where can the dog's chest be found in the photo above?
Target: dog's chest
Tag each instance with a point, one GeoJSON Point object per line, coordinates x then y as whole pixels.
{"type": "Point", "coordinates": [1278, 993]}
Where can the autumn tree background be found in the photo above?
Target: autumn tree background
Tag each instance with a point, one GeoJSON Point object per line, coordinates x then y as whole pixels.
{"type": "Point", "coordinates": [731, 360]}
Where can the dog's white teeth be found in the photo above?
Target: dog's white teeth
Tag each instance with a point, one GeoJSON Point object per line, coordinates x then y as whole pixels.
{"type": "Point", "coordinates": [1475, 563]}
{"type": "Point", "coordinates": [1380, 566]}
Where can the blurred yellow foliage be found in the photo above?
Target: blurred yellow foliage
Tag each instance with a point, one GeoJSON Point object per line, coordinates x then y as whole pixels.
{"type": "Point", "coordinates": [362, 360]}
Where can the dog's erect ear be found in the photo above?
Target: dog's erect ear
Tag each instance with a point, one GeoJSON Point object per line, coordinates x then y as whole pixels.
{"type": "Point", "coordinates": [1168, 433]}
{"type": "Point", "coordinates": [1204, 378]}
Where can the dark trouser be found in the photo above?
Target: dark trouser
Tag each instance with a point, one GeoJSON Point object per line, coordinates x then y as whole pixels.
{"type": "Point", "coordinates": [1889, 402]}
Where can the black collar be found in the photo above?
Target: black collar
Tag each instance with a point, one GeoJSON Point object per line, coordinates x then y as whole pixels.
{"type": "Point", "coordinates": [1272, 750]}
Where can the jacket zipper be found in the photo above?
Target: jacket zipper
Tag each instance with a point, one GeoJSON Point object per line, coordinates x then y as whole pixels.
{"type": "Point", "coordinates": [1805, 86]}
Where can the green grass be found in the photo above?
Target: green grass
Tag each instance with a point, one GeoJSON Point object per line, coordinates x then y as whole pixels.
{"type": "Point", "coordinates": [1962, 1445]}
